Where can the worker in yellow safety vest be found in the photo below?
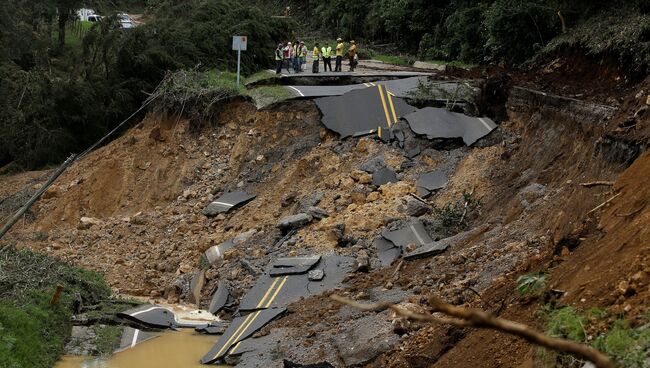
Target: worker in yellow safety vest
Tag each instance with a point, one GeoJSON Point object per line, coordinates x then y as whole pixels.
{"type": "Point", "coordinates": [339, 54]}
{"type": "Point", "coordinates": [327, 57]}
{"type": "Point", "coordinates": [315, 56]}
{"type": "Point", "coordinates": [352, 55]}
{"type": "Point", "coordinates": [279, 58]}
{"type": "Point", "coordinates": [302, 55]}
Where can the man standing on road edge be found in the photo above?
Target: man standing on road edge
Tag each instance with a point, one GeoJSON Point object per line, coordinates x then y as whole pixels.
{"type": "Point", "coordinates": [352, 54]}
{"type": "Point", "coordinates": [315, 55]}
{"type": "Point", "coordinates": [339, 54]}
{"type": "Point", "coordinates": [327, 57]}
{"type": "Point", "coordinates": [278, 59]}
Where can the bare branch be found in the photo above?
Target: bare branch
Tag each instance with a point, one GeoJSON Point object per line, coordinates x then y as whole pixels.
{"type": "Point", "coordinates": [465, 317]}
{"type": "Point", "coordinates": [603, 204]}
{"type": "Point", "coordinates": [597, 183]}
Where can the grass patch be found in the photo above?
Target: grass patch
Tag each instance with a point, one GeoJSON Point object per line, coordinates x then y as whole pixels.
{"type": "Point", "coordinates": [532, 284]}
{"type": "Point", "coordinates": [455, 216]}
{"type": "Point", "coordinates": [627, 346]}
{"type": "Point", "coordinates": [394, 59]}
{"type": "Point", "coordinates": [453, 63]}
{"type": "Point", "coordinates": [33, 332]}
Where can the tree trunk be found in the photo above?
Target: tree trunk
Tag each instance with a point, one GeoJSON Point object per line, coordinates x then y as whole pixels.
{"type": "Point", "coordinates": [63, 19]}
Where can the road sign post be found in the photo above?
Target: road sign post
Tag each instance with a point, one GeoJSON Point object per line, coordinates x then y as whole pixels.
{"type": "Point", "coordinates": [239, 43]}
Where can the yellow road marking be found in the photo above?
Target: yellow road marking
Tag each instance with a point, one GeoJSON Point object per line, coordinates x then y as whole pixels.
{"type": "Point", "coordinates": [239, 333]}
{"type": "Point", "coordinates": [379, 132]}
{"type": "Point", "coordinates": [383, 103]}
{"type": "Point", "coordinates": [232, 338]}
{"type": "Point", "coordinates": [275, 281]}
{"type": "Point", "coordinates": [392, 107]}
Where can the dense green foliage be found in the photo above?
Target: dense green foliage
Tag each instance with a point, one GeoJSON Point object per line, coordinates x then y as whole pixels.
{"type": "Point", "coordinates": [33, 332]}
{"type": "Point", "coordinates": [57, 98]}
{"type": "Point", "coordinates": [510, 31]}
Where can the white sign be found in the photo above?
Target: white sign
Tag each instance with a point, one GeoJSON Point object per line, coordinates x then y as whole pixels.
{"type": "Point", "coordinates": [239, 43]}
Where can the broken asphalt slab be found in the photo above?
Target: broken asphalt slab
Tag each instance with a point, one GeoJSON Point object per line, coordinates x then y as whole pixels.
{"type": "Point", "coordinates": [293, 265]}
{"type": "Point", "coordinates": [216, 252]}
{"type": "Point", "coordinates": [441, 123]}
{"type": "Point", "coordinates": [384, 176]}
{"type": "Point", "coordinates": [239, 329]}
{"type": "Point", "coordinates": [412, 233]}
{"type": "Point", "coordinates": [133, 336]}
{"type": "Point", "coordinates": [269, 291]}
{"type": "Point", "coordinates": [362, 111]}
{"type": "Point", "coordinates": [219, 298]}
{"type": "Point", "coordinates": [228, 201]}
{"type": "Point", "coordinates": [151, 316]}
{"type": "Point", "coordinates": [436, 247]}
{"type": "Point", "coordinates": [386, 251]}
{"type": "Point", "coordinates": [294, 222]}
{"type": "Point", "coordinates": [428, 182]}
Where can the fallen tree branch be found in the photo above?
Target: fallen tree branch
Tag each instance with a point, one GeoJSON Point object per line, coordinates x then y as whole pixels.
{"type": "Point", "coordinates": [464, 317]}
{"type": "Point", "coordinates": [597, 183]}
{"type": "Point", "coordinates": [603, 204]}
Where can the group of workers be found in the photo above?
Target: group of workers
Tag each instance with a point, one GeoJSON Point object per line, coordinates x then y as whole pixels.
{"type": "Point", "coordinates": [294, 56]}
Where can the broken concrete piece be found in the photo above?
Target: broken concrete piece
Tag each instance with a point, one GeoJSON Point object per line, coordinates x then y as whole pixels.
{"type": "Point", "coordinates": [428, 182]}
{"type": "Point", "coordinates": [442, 123]}
{"type": "Point", "coordinates": [412, 233]}
{"type": "Point", "coordinates": [239, 329]}
{"type": "Point", "coordinates": [131, 337]}
{"type": "Point", "coordinates": [216, 252]}
{"type": "Point", "coordinates": [228, 201]}
{"type": "Point", "coordinates": [386, 251]}
{"type": "Point", "coordinates": [212, 328]}
{"type": "Point", "coordinates": [384, 176]}
{"type": "Point", "coordinates": [219, 298]}
{"type": "Point", "coordinates": [151, 315]}
{"type": "Point", "coordinates": [196, 285]}
{"type": "Point", "coordinates": [293, 265]}
{"type": "Point", "coordinates": [294, 222]}
{"type": "Point", "coordinates": [416, 208]}
{"type": "Point", "coordinates": [317, 212]}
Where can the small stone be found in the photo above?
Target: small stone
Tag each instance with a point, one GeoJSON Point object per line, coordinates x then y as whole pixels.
{"type": "Point", "coordinates": [317, 212]}
{"type": "Point", "coordinates": [294, 222]}
{"type": "Point", "coordinates": [362, 263]}
{"type": "Point", "coordinates": [316, 275]}
{"type": "Point", "coordinates": [416, 208]}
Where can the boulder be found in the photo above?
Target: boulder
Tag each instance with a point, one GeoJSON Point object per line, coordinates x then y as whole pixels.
{"type": "Point", "coordinates": [294, 222]}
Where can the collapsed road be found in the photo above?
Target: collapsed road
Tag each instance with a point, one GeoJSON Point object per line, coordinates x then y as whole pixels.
{"type": "Point", "coordinates": [344, 193]}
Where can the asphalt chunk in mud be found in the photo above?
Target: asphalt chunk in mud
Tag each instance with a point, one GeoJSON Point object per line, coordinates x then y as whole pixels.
{"type": "Point", "coordinates": [428, 182]}
{"type": "Point", "coordinates": [239, 329]}
{"type": "Point", "coordinates": [227, 202]}
{"type": "Point", "coordinates": [151, 315]}
{"type": "Point", "coordinates": [386, 251]}
{"type": "Point", "coordinates": [219, 298]}
{"type": "Point", "coordinates": [384, 176]}
{"type": "Point", "coordinates": [441, 123]}
{"type": "Point", "coordinates": [362, 111]}
{"type": "Point", "coordinates": [133, 336]}
{"type": "Point", "coordinates": [212, 328]}
{"type": "Point", "coordinates": [293, 265]}
{"type": "Point", "coordinates": [413, 233]}
{"type": "Point", "coordinates": [216, 252]}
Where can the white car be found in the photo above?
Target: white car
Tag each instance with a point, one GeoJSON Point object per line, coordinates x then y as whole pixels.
{"type": "Point", "coordinates": [94, 18]}
{"type": "Point", "coordinates": [125, 21]}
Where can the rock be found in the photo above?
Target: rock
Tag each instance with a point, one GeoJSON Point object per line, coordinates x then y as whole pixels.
{"type": "Point", "coordinates": [82, 341]}
{"type": "Point", "coordinates": [416, 208]}
{"type": "Point", "coordinates": [362, 263]}
{"type": "Point", "coordinates": [531, 193]}
{"type": "Point", "coordinates": [138, 219]}
{"type": "Point", "coordinates": [316, 275]}
{"type": "Point", "coordinates": [294, 222]}
{"type": "Point", "coordinates": [317, 212]}
{"type": "Point", "coordinates": [87, 222]}
{"type": "Point", "coordinates": [364, 339]}
{"type": "Point", "coordinates": [374, 164]}
{"type": "Point", "coordinates": [287, 199]}
{"type": "Point", "coordinates": [52, 192]}
{"type": "Point", "coordinates": [361, 177]}
{"type": "Point", "coordinates": [647, 100]}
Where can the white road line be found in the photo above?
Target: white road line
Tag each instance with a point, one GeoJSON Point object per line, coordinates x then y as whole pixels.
{"type": "Point", "coordinates": [485, 123]}
{"type": "Point", "coordinates": [297, 90]}
{"type": "Point", "coordinates": [145, 311]}
{"type": "Point", "coordinates": [223, 204]}
{"type": "Point", "coordinates": [135, 338]}
{"type": "Point", "coordinates": [416, 234]}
